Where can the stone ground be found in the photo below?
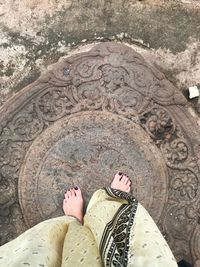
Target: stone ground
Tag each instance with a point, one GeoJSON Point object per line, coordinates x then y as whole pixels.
{"type": "Point", "coordinates": [35, 34]}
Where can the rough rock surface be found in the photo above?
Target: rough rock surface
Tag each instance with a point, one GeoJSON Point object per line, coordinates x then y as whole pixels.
{"type": "Point", "coordinates": [35, 34]}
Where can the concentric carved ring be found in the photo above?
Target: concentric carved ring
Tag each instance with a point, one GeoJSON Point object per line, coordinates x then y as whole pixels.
{"type": "Point", "coordinates": [87, 149]}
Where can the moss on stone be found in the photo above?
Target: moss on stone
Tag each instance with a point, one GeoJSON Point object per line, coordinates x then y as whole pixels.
{"type": "Point", "coordinates": [166, 27]}
{"type": "Point", "coordinates": [31, 77]}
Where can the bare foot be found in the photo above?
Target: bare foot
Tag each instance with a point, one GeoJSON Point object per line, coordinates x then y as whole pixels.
{"type": "Point", "coordinates": [73, 203]}
{"type": "Point", "coordinates": [121, 182]}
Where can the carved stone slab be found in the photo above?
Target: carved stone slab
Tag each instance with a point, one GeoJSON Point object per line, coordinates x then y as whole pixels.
{"type": "Point", "coordinates": [93, 114]}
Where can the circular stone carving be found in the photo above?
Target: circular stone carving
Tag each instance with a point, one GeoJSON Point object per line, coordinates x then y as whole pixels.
{"type": "Point", "coordinates": [86, 150]}
{"type": "Point", "coordinates": [92, 114]}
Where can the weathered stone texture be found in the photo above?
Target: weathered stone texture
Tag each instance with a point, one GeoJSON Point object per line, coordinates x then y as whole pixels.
{"type": "Point", "coordinates": [90, 115]}
{"type": "Point", "coordinates": [35, 34]}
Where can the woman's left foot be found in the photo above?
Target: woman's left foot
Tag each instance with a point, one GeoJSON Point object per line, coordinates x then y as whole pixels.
{"type": "Point", "coordinates": [73, 203]}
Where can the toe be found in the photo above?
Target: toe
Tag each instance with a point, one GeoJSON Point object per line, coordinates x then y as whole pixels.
{"type": "Point", "coordinates": [128, 183]}
{"type": "Point", "coordinates": [72, 191]}
{"type": "Point", "coordinates": [124, 179]}
{"type": "Point", "coordinates": [77, 191]}
{"type": "Point", "coordinates": [68, 194]}
{"type": "Point", "coordinates": [118, 176]}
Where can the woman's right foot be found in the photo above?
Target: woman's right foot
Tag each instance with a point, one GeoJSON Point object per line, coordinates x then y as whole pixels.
{"type": "Point", "coordinates": [73, 203]}
{"type": "Point", "coordinates": [121, 182]}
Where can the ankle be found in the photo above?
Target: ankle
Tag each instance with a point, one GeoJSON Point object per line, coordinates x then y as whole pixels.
{"type": "Point", "coordinates": [78, 218]}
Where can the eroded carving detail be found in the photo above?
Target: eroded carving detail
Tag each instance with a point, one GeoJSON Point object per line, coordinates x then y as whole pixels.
{"type": "Point", "coordinates": [53, 104]}
{"type": "Point", "coordinates": [158, 123]}
{"type": "Point", "coordinates": [185, 185]}
{"type": "Point", "coordinates": [176, 152]}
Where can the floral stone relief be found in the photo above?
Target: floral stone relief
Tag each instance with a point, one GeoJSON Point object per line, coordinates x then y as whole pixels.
{"type": "Point", "coordinates": [94, 113]}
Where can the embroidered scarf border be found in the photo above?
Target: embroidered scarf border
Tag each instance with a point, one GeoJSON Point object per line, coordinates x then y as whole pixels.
{"type": "Point", "coordinates": [114, 244]}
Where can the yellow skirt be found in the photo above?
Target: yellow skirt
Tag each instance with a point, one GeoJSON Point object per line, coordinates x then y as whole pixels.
{"type": "Point", "coordinates": [117, 231]}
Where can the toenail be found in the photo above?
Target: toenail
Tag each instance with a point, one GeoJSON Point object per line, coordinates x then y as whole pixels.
{"type": "Point", "coordinates": [76, 188]}
{"type": "Point", "coordinates": [120, 173]}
